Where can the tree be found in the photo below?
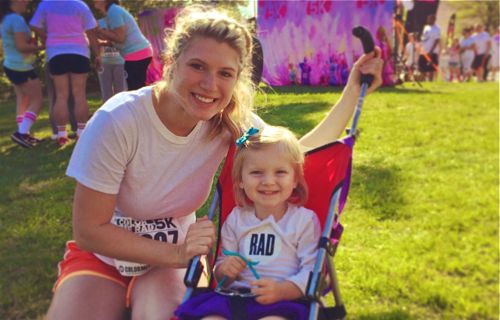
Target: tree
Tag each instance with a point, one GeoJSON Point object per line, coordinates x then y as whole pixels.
{"type": "Point", "coordinates": [485, 12]}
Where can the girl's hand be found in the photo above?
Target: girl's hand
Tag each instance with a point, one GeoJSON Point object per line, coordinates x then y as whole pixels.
{"type": "Point", "coordinates": [267, 290]}
{"type": "Point", "coordinates": [199, 240]}
{"type": "Point", "coordinates": [370, 63]}
{"type": "Point", "coordinates": [231, 267]}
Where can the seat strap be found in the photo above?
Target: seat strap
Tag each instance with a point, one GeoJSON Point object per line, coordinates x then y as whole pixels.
{"type": "Point", "coordinates": [238, 308]}
{"type": "Point", "coordinates": [330, 313]}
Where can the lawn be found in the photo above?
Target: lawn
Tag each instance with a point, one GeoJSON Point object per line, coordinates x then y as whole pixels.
{"type": "Point", "coordinates": [421, 223]}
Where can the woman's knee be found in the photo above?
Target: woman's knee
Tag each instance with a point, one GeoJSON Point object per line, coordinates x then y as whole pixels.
{"type": "Point", "coordinates": [156, 294]}
{"type": "Point", "coordinates": [88, 297]}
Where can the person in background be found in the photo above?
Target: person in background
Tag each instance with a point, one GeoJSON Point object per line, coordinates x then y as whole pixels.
{"type": "Point", "coordinates": [305, 72]}
{"type": "Point", "coordinates": [112, 73]}
{"type": "Point", "coordinates": [51, 97]}
{"type": "Point", "coordinates": [19, 55]}
{"type": "Point", "coordinates": [67, 27]}
{"type": "Point", "coordinates": [126, 36]}
{"type": "Point", "coordinates": [410, 55]}
{"type": "Point", "coordinates": [257, 53]}
{"type": "Point", "coordinates": [454, 60]}
{"type": "Point", "coordinates": [482, 47]}
{"type": "Point", "coordinates": [495, 46]}
{"type": "Point", "coordinates": [385, 45]}
{"type": "Point", "coordinates": [466, 53]}
{"type": "Point", "coordinates": [146, 162]}
{"type": "Point", "coordinates": [430, 42]}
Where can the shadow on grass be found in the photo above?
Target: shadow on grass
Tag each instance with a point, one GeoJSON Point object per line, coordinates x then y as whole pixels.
{"type": "Point", "coordinates": [299, 117]}
{"type": "Point", "coordinates": [322, 90]}
{"type": "Point", "coordinates": [392, 315]}
{"type": "Point", "coordinates": [377, 188]}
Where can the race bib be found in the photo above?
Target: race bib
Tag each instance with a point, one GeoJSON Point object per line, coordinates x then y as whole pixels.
{"type": "Point", "coordinates": [164, 229]}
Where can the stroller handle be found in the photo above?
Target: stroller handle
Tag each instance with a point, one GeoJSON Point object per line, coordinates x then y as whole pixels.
{"type": "Point", "coordinates": [366, 79]}
{"type": "Point", "coordinates": [368, 46]}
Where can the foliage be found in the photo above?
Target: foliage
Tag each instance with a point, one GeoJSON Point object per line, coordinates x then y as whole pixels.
{"type": "Point", "coordinates": [421, 223]}
{"type": "Point", "coordinates": [485, 12]}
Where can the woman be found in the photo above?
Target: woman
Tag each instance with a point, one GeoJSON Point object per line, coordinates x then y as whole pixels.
{"type": "Point", "coordinates": [19, 56]}
{"type": "Point", "coordinates": [146, 162]}
{"type": "Point", "coordinates": [65, 26]}
{"type": "Point", "coordinates": [125, 34]}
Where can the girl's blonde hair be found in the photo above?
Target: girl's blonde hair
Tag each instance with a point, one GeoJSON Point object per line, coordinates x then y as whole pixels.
{"type": "Point", "coordinates": [287, 145]}
{"type": "Point", "coordinates": [204, 22]}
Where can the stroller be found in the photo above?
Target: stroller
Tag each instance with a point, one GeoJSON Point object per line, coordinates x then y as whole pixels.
{"type": "Point", "coordinates": [327, 170]}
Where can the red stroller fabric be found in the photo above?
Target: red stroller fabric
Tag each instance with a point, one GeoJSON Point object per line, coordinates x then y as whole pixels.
{"type": "Point", "coordinates": [326, 169]}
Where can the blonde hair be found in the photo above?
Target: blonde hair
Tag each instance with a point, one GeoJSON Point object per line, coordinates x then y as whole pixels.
{"type": "Point", "coordinates": [200, 21]}
{"type": "Point", "coordinates": [287, 145]}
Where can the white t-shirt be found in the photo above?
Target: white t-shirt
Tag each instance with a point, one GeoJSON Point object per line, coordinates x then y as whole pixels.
{"type": "Point", "coordinates": [285, 250]}
{"type": "Point", "coordinates": [126, 150]}
{"type": "Point", "coordinates": [411, 54]}
{"type": "Point", "coordinates": [480, 40]}
{"type": "Point", "coordinates": [429, 36]}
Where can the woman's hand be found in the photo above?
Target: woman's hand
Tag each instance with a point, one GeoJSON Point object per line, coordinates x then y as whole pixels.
{"type": "Point", "coordinates": [370, 63]}
{"type": "Point", "coordinates": [199, 240]}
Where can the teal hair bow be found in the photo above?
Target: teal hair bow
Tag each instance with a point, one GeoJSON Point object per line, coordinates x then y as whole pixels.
{"type": "Point", "coordinates": [250, 132]}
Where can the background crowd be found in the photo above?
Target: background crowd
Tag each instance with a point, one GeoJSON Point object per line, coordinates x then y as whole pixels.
{"type": "Point", "coordinates": [473, 56]}
{"type": "Point", "coordinates": [122, 55]}
{"type": "Point", "coordinates": [69, 33]}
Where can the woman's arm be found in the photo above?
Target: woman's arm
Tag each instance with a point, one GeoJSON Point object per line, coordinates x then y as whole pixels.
{"type": "Point", "coordinates": [40, 33]}
{"type": "Point", "coordinates": [94, 46]}
{"type": "Point", "coordinates": [23, 46]}
{"type": "Point", "coordinates": [92, 230]}
{"type": "Point", "coordinates": [333, 125]}
{"type": "Point", "coordinates": [116, 35]}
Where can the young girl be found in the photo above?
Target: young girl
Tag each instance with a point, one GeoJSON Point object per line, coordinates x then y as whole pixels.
{"type": "Point", "coordinates": [269, 240]}
{"type": "Point", "coordinates": [454, 60]}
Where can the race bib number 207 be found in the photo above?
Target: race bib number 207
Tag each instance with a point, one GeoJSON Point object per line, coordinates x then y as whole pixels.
{"type": "Point", "coordinates": [164, 229]}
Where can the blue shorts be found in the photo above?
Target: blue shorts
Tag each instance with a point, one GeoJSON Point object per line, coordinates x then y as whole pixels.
{"type": "Point", "coordinates": [19, 77]}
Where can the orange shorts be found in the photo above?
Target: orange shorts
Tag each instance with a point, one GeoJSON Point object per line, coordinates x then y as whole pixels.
{"type": "Point", "coordinates": [77, 262]}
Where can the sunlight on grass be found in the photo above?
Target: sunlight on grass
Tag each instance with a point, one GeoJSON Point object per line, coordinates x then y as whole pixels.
{"type": "Point", "coordinates": [421, 223]}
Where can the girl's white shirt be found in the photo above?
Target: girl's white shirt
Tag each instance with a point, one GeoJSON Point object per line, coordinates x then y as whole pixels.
{"type": "Point", "coordinates": [285, 249]}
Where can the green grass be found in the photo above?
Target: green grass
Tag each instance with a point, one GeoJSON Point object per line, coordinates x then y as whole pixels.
{"type": "Point", "coordinates": [421, 223]}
